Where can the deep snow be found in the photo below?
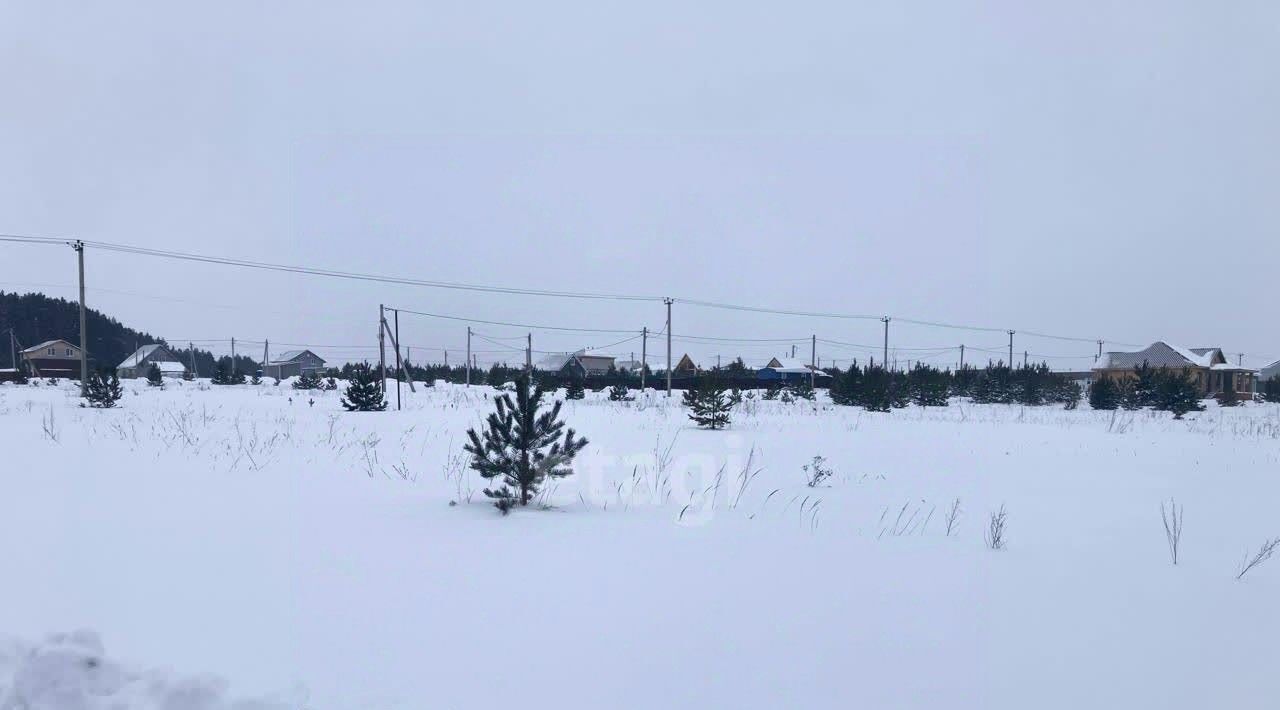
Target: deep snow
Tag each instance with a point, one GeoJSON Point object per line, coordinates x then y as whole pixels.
{"type": "Point", "coordinates": [311, 557]}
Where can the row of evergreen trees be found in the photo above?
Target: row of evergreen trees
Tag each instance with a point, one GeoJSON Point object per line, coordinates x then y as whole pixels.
{"type": "Point", "coordinates": [877, 389]}
{"type": "Point", "coordinates": [1161, 389]}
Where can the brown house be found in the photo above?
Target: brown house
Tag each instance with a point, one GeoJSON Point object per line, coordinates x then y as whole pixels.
{"type": "Point", "coordinates": [53, 358]}
{"type": "Point", "coordinates": [1207, 367]}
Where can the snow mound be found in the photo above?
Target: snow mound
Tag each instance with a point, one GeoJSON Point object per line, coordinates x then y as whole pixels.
{"type": "Point", "coordinates": [71, 672]}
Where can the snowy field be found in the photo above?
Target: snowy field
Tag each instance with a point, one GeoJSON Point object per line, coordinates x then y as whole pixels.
{"type": "Point", "coordinates": [200, 545]}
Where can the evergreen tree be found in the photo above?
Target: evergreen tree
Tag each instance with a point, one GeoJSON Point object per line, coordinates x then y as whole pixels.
{"type": "Point", "coordinates": [1145, 385]}
{"type": "Point", "coordinates": [307, 381]}
{"type": "Point", "coordinates": [154, 377]}
{"type": "Point", "coordinates": [1131, 397]}
{"type": "Point", "coordinates": [103, 390]}
{"type": "Point", "coordinates": [256, 379]}
{"type": "Point", "coordinates": [364, 392]}
{"type": "Point", "coordinates": [771, 392]}
{"type": "Point", "coordinates": [573, 389]}
{"type": "Point", "coordinates": [876, 392]}
{"type": "Point", "coordinates": [709, 404]}
{"type": "Point", "coordinates": [1175, 391]}
{"type": "Point", "coordinates": [620, 393]}
{"type": "Point", "coordinates": [1271, 389]}
{"type": "Point", "coordinates": [846, 390]}
{"type": "Point", "coordinates": [928, 386]}
{"type": "Point", "coordinates": [1103, 394]}
{"type": "Point", "coordinates": [221, 372]}
{"type": "Point", "coordinates": [802, 390]}
{"type": "Point", "coordinates": [522, 447]}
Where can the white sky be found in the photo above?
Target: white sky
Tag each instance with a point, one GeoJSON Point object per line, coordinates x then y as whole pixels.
{"type": "Point", "coordinates": [1106, 170]}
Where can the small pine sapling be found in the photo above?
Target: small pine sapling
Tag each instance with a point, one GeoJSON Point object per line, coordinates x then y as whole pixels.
{"type": "Point", "coordinates": [574, 389]}
{"type": "Point", "coordinates": [709, 404]}
{"type": "Point", "coordinates": [154, 377]}
{"type": "Point", "coordinates": [103, 390]}
{"type": "Point", "coordinates": [522, 447]}
{"type": "Point", "coordinates": [364, 392]}
{"type": "Point", "coordinates": [307, 381]}
{"type": "Point", "coordinates": [620, 393]}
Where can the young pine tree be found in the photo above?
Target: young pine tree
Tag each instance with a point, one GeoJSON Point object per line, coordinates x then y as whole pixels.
{"type": "Point", "coordinates": [1174, 391]}
{"type": "Point", "coordinates": [574, 389]}
{"type": "Point", "coordinates": [307, 381]}
{"type": "Point", "coordinates": [221, 372]}
{"type": "Point", "coordinates": [847, 388]}
{"type": "Point", "coordinates": [620, 393]}
{"type": "Point", "coordinates": [154, 377]}
{"type": "Point", "coordinates": [103, 390]}
{"type": "Point", "coordinates": [802, 390]}
{"type": "Point", "coordinates": [876, 390]}
{"type": "Point", "coordinates": [709, 404]}
{"type": "Point", "coordinates": [1103, 394]}
{"type": "Point", "coordinates": [364, 392]}
{"type": "Point", "coordinates": [522, 447]}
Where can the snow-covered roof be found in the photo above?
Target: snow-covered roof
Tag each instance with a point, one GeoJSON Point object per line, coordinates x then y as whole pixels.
{"type": "Point", "coordinates": [169, 366]}
{"type": "Point", "coordinates": [47, 343]}
{"type": "Point", "coordinates": [1231, 368]}
{"type": "Point", "coordinates": [1160, 354]}
{"type": "Point", "coordinates": [289, 356]}
{"type": "Point", "coordinates": [138, 355]}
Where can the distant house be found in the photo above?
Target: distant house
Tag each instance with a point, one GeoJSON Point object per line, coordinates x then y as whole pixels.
{"type": "Point", "coordinates": [53, 358]}
{"type": "Point", "coordinates": [1207, 367]}
{"type": "Point", "coordinates": [139, 363]}
{"type": "Point", "coordinates": [790, 370]}
{"type": "Point", "coordinates": [1269, 372]}
{"type": "Point", "coordinates": [582, 363]}
{"type": "Point", "coordinates": [293, 363]}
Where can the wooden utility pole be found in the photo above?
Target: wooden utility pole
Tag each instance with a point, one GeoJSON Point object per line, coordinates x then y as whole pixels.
{"type": "Point", "coordinates": [84, 335]}
{"type": "Point", "coordinates": [13, 349]}
{"type": "Point", "coordinates": [528, 355]}
{"type": "Point", "coordinates": [644, 346]}
{"type": "Point", "coordinates": [1024, 359]}
{"type": "Point", "coordinates": [1011, 350]}
{"type": "Point", "coordinates": [884, 360]}
{"type": "Point", "coordinates": [469, 360]}
{"type": "Point", "coordinates": [1095, 357]}
{"type": "Point", "coordinates": [382, 348]}
{"type": "Point", "coordinates": [399, 364]}
{"type": "Point", "coordinates": [813, 360]}
{"type": "Point", "coordinates": [961, 356]}
{"type": "Point", "coordinates": [191, 349]}
{"type": "Point", "coordinates": [233, 358]}
{"type": "Point", "coordinates": [669, 365]}
{"type": "Point", "coordinates": [266, 356]}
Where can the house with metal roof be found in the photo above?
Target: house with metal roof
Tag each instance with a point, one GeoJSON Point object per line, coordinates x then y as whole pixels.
{"type": "Point", "coordinates": [790, 370]}
{"type": "Point", "coordinates": [53, 358]}
{"type": "Point", "coordinates": [139, 363]}
{"type": "Point", "coordinates": [583, 363]}
{"type": "Point", "coordinates": [1269, 372]}
{"type": "Point", "coordinates": [1207, 367]}
{"type": "Point", "coordinates": [293, 363]}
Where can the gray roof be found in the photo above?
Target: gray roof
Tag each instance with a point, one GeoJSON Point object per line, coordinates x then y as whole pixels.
{"type": "Point", "coordinates": [1160, 354]}
{"type": "Point", "coordinates": [289, 356]}
{"type": "Point", "coordinates": [47, 343]}
{"type": "Point", "coordinates": [139, 355]}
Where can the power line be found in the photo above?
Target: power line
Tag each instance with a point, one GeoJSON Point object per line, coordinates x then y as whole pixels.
{"type": "Point", "coordinates": [518, 325]}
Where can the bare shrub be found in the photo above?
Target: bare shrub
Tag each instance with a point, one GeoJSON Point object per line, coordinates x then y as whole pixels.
{"type": "Point", "coordinates": [816, 472]}
{"type": "Point", "coordinates": [953, 516]}
{"type": "Point", "coordinates": [996, 529]}
{"type": "Point", "coordinates": [1262, 555]}
{"type": "Point", "coordinates": [1172, 517]}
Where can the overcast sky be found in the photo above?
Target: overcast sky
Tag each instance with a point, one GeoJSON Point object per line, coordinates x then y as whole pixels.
{"type": "Point", "coordinates": [1104, 170]}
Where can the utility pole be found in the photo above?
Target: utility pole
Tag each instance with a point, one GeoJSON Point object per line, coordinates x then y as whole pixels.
{"type": "Point", "coordinates": [191, 349]}
{"type": "Point", "coordinates": [668, 302]}
{"type": "Point", "coordinates": [884, 362]}
{"type": "Point", "coordinates": [813, 360]}
{"type": "Point", "coordinates": [470, 362]}
{"type": "Point", "coordinates": [84, 336]}
{"type": "Point", "coordinates": [399, 363]}
{"type": "Point", "coordinates": [1240, 359]}
{"type": "Point", "coordinates": [1099, 355]}
{"type": "Point", "coordinates": [233, 358]}
{"type": "Point", "coordinates": [1024, 359]}
{"type": "Point", "coordinates": [793, 351]}
{"type": "Point", "coordinates": [528, 354]}
{"type": "Point", "coordinates": [446, 357]}
{"type": "Point", "coordinates": [382, 348]}
{"type": "Point", "coordinates": [644, 345]}
{"type": "Point", "coordinates": [13, 349]}
{"type": "Point", "coordinates": [266, 352]}
{"type": "Point", "coordinates": [1011, 349]}
{"type": "Point", "coordinates": [961, 356]}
